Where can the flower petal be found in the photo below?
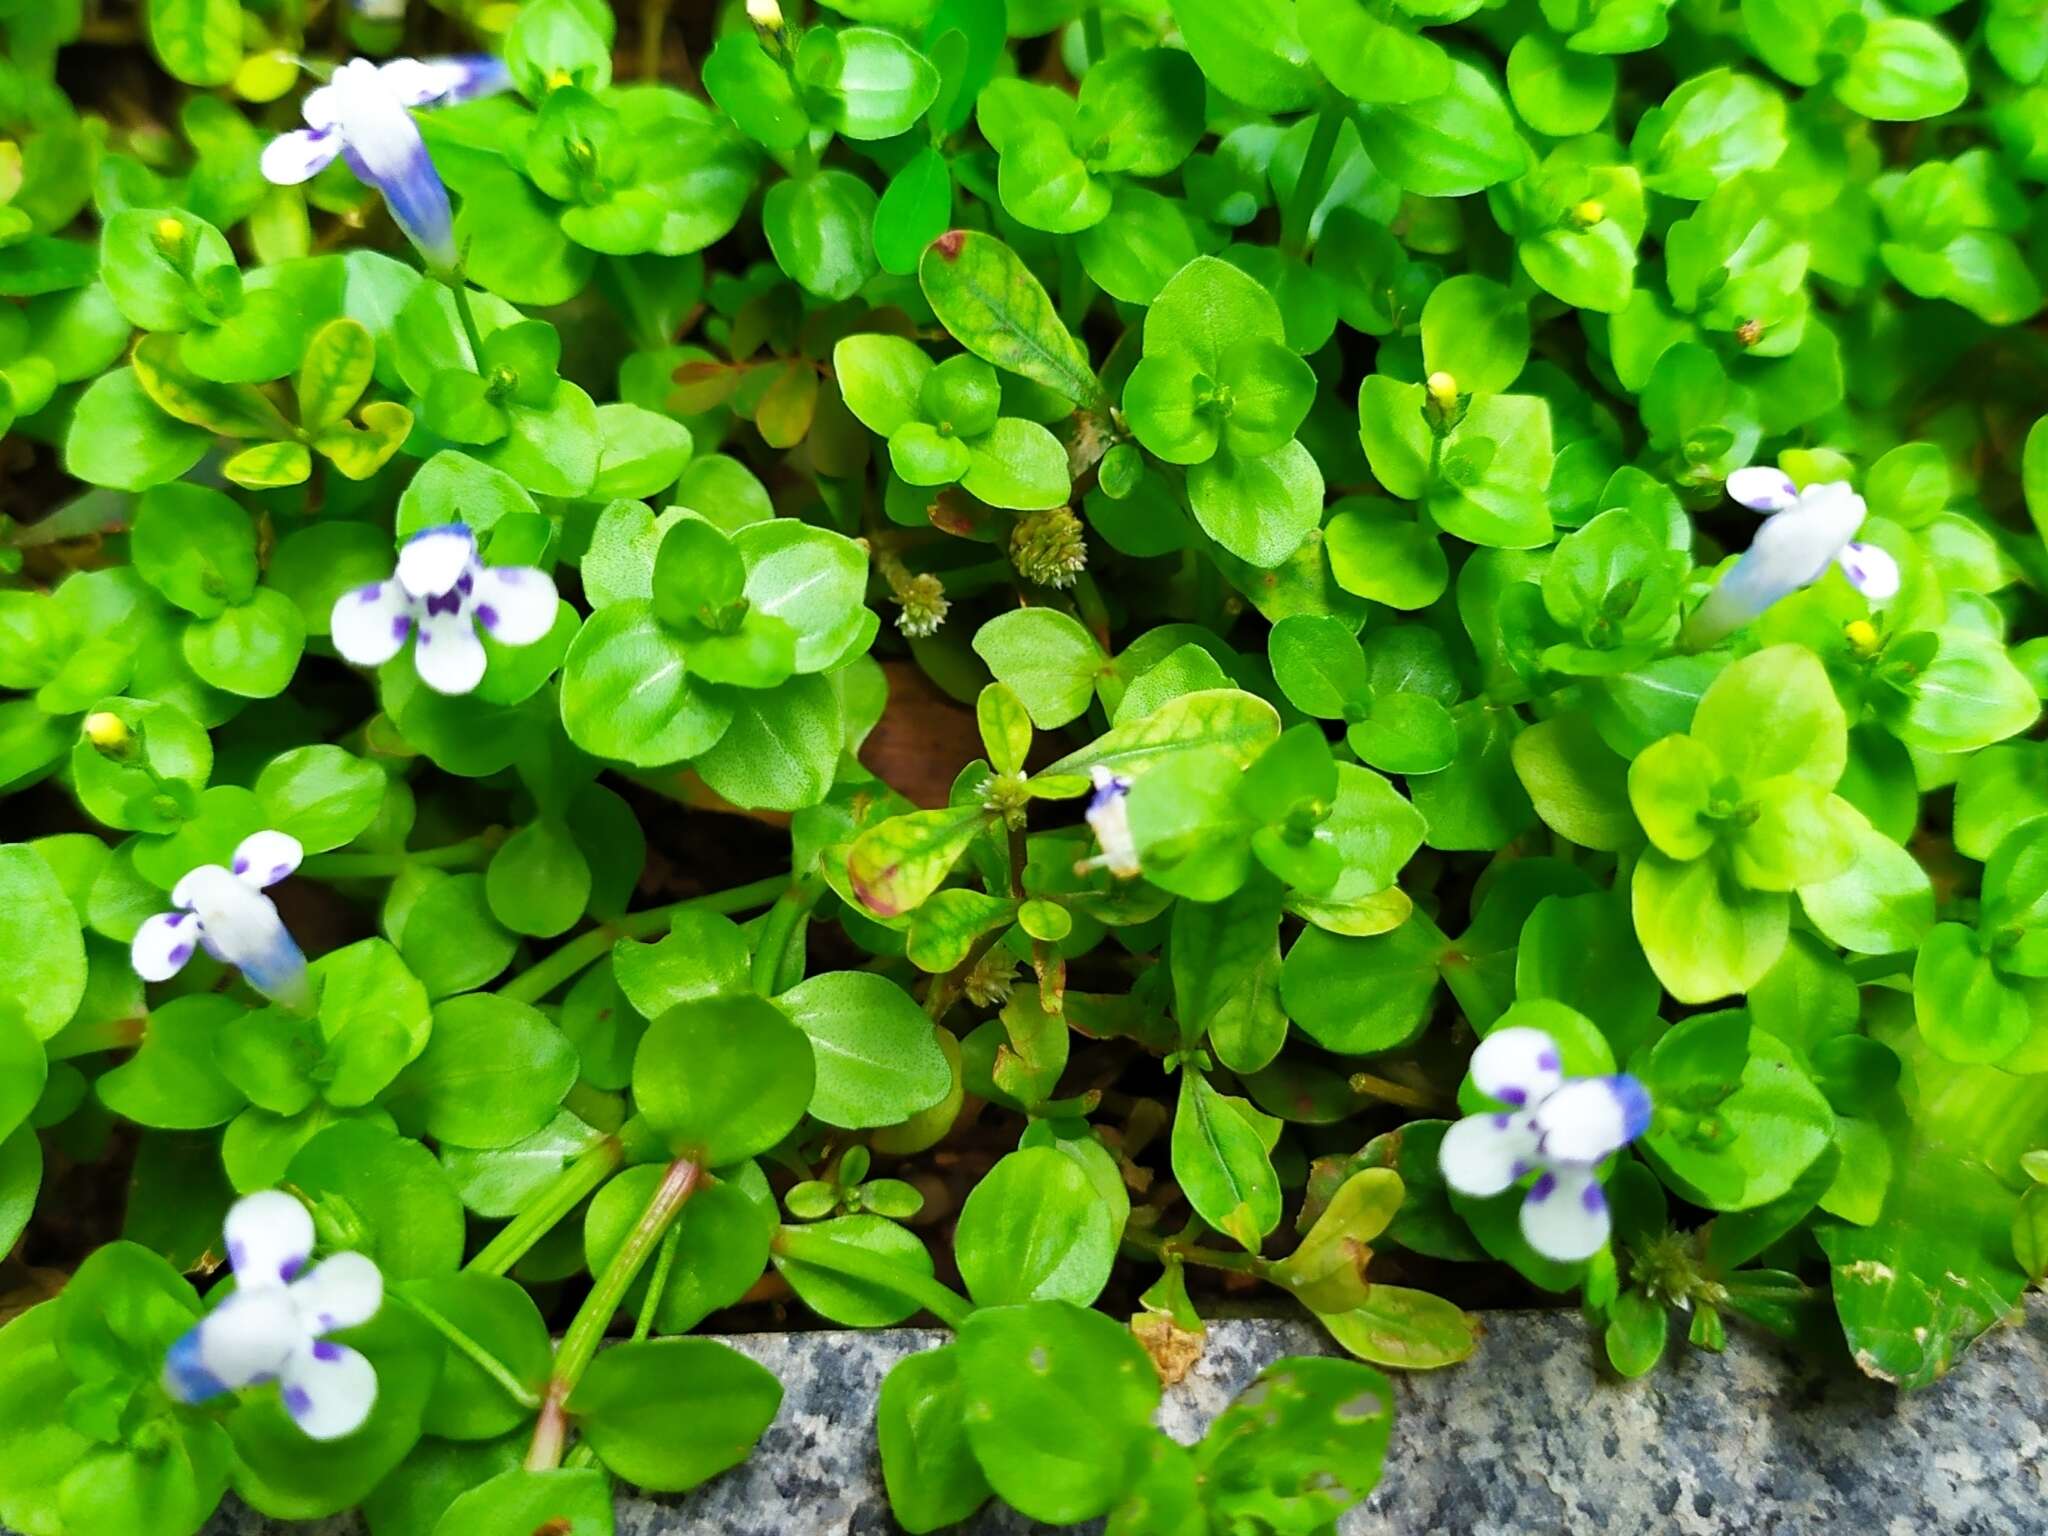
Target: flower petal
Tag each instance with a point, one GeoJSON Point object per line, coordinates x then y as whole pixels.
{"type": "Point", "coordinates": [244, 1340]}
{"type": "Point", "coordinates": [372, 623]}
{"type": "Point", "coordinates": [298, 156]}
{"type": "Point", "coordinates": [415, 82]}
{"type": "Point", "coordinates": [449, 656]}
{"type": "Point", "coordinates": [1518, 1066]}
{"type": "Point", "coordinates": [242, 928]}
{"type": "Point", "coordinates": [340, 1292]}
{"type": "Point", "coordinates": [1109, 818]}
{"type": "Point", "coordinates": [264, 858]}
{"type": "Point", "coordinates": [1564, 1216]}
{"type": "Point", "coordinates": [1763, 488]}
{"type": "Point", "coordinates": [1483, 1154]}
{"type": "Point", "coordinates": [434, 559]}
{"type": "Point", "coordinates": [1872, 571]}
{"type": "Point", "coordinates": [163, 944]}
{"type": "Point", "coordinates": [270, 1237]}
{"type": "Point", "coordinates": [329, 1389]}
{"type": "Point", "coordinates": [1590, 1117]}
{"type": "Point", "coordinates": [515, 603]}
{"type": "Point", "coordinates": [446, 81]}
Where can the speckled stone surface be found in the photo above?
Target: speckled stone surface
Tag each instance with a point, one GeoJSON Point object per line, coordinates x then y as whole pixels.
{"type": "Point", "coordinates": [1528, 1438]}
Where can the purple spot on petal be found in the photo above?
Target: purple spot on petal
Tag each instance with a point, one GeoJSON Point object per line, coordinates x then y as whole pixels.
{"type": "Point", "coordinates": [179, 954]}
{"type": "Point", "coordinates": [487, 616]}
{"type": "Point", "coordinates": [324, 1321]}
{"type": "Point", "coordinates": [240, 866]}
{"type": "Point", "coordinates": [1520, 1167]}
{"type": "Point", "coordinates": [171, 920]}
{"type": "Point", "coordinates": [289, 1269]}
{"type": "Point", "coordinates": [448, 602]}
{"type": "Point", "coordinates": [1515, 1096]}
{"type": "Point", "coordinates": [464, 583]}
{"type": "Point", "coordinates": [510, 575]}
{"type": "Point", "coordinates": [1502, 1122]}
{"type": "Point", "coordinates": [371, 593]}
{"type": "Point", "coordinates": [298, 1402]}
{"type": "Point", "coordinates": [322, 1350]}
{"type": "Point", "coordinates": [426, 638]}
{"type": "Point", "coordinates": [399, 626]}
{"type": "Point", "coordinates": [1543, 1187]}
{"type": "Point", "coordinates": [1594, 1200]}
{"type": "Point", "coordinates": [277, 873]}
{"type": "Point", "coordinates": [1549, 1062]}
{"type": "Point", "coordinates": [237, 1254]}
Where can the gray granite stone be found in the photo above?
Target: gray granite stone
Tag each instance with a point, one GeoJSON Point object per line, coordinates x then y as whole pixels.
{"type": "Point", "coordinates": [1530, 1437]}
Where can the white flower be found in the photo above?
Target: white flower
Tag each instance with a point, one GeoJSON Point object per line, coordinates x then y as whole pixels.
{"type": "Point", "coordinates": [1805, 532]}
{"type": "Point", "coordinates": [361, 113]}
{"type": "Point", "coordinates": [1556, 1128]}
{"type": "Point", "coordinates": [1109, 818]}
{"type": "Point", "coordinates": [441, 589]}
{"type": "Point", "coordinates": [225, 912]}
{"type": "Point", "coordinates": [270, 1326]}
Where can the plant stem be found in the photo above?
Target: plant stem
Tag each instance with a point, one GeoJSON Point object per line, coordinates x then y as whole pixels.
{"type": "Point", "coordinates": [482, 1358]}
{"type": "Point", "coordinates": [945, 991]}
{"type": "Point", "coordinates": [1315, 172]}
{"type": "Point", "coordinates": [586, 1330]}
{"type": "Point", "coordinates": [810, 1247]}
{"type": "Point", "coordinates": [772, 944]}
{"type": "Point", "coordinates": [459, 287]}
{"type": "Point", "coordinates": [657, 1283]}
{"type": "Point", "coordinates": [556, 1200]}
{"type": "Point", "coordinates": [1091, 35]}
{"type": "Point", "coordinates": [100, 1035]}
{"type": "Point", "coordinates": [371, 866]}
{"type": "Point", "coordinates": [1159, 1248]}
{"type": "Point", "coordinates": [586, 949]}
{"type": "Point", "coordinates": [653, 17]}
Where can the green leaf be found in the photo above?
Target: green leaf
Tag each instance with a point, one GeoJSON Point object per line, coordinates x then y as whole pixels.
{"type": "Point", "coordinates": [1221, 1164]}
{"type": "Point", "coordinates": [120, 439]}
{"type": "Point", "coordinates": [538, 881]}
{"type": "Point", "coordinates": [1239, 725]}
{"type": "Point", "coordinates": [334, 373]}
{"type": "Point", "coordinates": [1706, 936]}
{"type": "Point", "coordinates": [387, 1193]}
{"type": "Point", "coordinates": [782, 748]}
{"type": "Point", "coordinates": [821, 230]}
{"type": "Point", "coordinates": [1030, 1374]}
{"type": "Point", "coordinates": [566, 1501]}
{"type": "Point", "coordinates": [172, 1081]}
{"type": "Point", "coordinates": [1226, 975]}
{"type": "Point", "coordinates": [876, 84]}
{"type": "Point", "coordinates": [878, 1062]}
{"type": "Point", "coordinates": [723, 1079]}
{"type": "Point", "coordinates": [1252, 51]}
{"type": "Point", "coordinates": [1788, 686]}
{"type": "Point", "coordinates": [915, 209]}
{"type": "Point", "coordinates": [1034, 1229]}
{"type": "Point", "coordinates": [42, 967]}
{"type": "Point", "coordinates": [1047, 657]}
{"type": "Point", "coordinates": [197, 41]}
{"type": "Point", "coordinates": [1457, 142]}
{"type": "Point", "coordinates": [1301, 1444]}
{"type": "Point", "coordinates": [627, 694]}
{"type": "Point", "coordinates": [493, 1073]}
{"type": "Point", "coordinates": [321, 795]}
{"type": "Point", "coordinates": [988, 299]}
{"type": "Point", "coordinates": [1903, 70]}
{"type": "Point", "coordinates": [896, 865]}
{"type": "Point", "coordinates": [497, 1315]}
{"type": "Point", "coordinates": [928, 1466]}
{"type": "Point", "coordinates": [1476, 331]}
{"type": "Point", "coordinates": [668, 1414]}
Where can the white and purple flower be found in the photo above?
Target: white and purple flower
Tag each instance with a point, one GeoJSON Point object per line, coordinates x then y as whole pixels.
{"type": "Point", "coordinates": [1804, 533]}
{"type": "Point", "coordinates": [225, 913]}
{"type": "Point", "coordinates": [363, 115]}
{"type": "Point", "coordinates": [441, 590]}
{"type": "Point", "coordinates": [1557, 1128]}
{"type": "Point", "coordinates": [1109, 818]}
{"type": "Point", "coordinates": [271, 1327]}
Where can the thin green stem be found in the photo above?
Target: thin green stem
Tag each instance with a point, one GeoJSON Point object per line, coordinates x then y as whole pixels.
{"type": "Point", "coordinates": [1160, 1249]}
{"type": "Point", "coordinates": [808, 1246]}
{"type": "Point", "coordinates": [1315, 173]}
{"type": "Point", "coordinates": [658, 1283]}
{"type": "Point", "coordinates": [567, 1191]}
{"type": "Point", "coordinates": [653, 17]}
{"type": "Point", "coordinates": [586, 949]}
{"type": "Point", "coordinates": [482, 1358]}
{"type": "Point", "coordinates": [586, 1329]}
{"type": "Point", "coordinates": [99, 1035]}
{"type": "Point", "coordinates": [772, 944]}
{"type": "Point", "coordinates": [459, 287]}
{"type": "Point", "coordinates": [373, 866]}
{"type": "Point", "coordinates": [1091, 35]}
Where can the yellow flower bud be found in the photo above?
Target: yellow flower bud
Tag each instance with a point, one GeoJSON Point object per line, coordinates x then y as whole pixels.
{"type": "Point", "coordinates": [170, 232]}
{"type": "Point", "coordinates": [1589, 213]}
{"type": "Point", "coordinates": [560, 78]}
{"type": "Point", "coordinates": [1862, 637]}
{"type": "Point", "coordinates": [1443, 389]}
{"type": "Point", "coordinates": [765, 14]}
{"type": "Point", "coordinates": [106, 730]}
